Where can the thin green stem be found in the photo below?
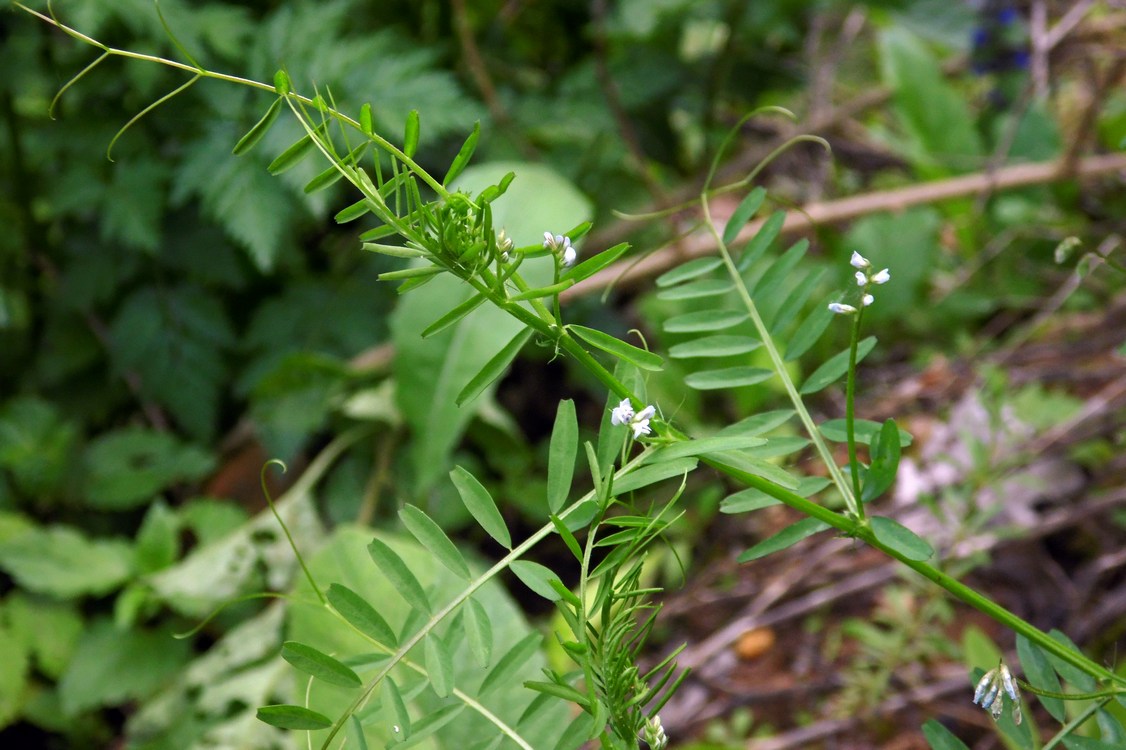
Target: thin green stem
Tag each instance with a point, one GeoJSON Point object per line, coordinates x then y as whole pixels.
{"type": "Point", "coordinates": [850, 414]}
{"type": "Point", "coordinates": [1074, 724]}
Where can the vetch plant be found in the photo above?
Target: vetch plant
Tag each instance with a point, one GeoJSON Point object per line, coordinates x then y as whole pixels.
{"type": "Point", "coordinates": [436, 229]}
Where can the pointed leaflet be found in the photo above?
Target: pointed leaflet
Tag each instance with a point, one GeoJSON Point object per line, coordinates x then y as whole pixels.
{"type": "Point", "coordinates": [690, 270]}
{"type": "Point", "coordinates": [292, 717]}
{"type": "Point", "coordinates": [320, 665]}
{"type": "Point", "coordinates": [536, 577]}
{"type": "Point", "coordinates": [835, 367]}
{"type": "Point", "coordinates": [293, 155]}
{"type": "Point", "coordinates": [250, 140]}
{"type": "Point", "coordinates": [808, 332]}
{"type": "Point", "coordinates": [596, 263]}
{"type": "Point", "coordinates": [393, 698]}
{"type": "Point", "coordinates": [463, 155]}
{"type": "Point", "coordinates": [747, 208]}
{"type": "Point", "coordinates": [400, 576]}
{"type": "Point", "coordinates": [431, 723]}
{"type": "Point", "coordinates": [704, 320]}
{"type": "Point", "coordinates": [612, 345]}
{"type": "Point", "coordinates": [653, 473]}
{"type": "Point", "coordinates": [511, 663]}
{"type": "Point", "coordinates": [768, 291]}
{"type": "Point", "coordinates": [439, 665]}
{"type": "Point", "coordinates": [480, 505]}
{"type": "Point", "coordinates": [787, 537]}
{"type": "Point", "coordinates": [865, 431]}
{"type": "Point", "coordinates": [494, 368]}
{"type": "Point", "coordinates": [901, 539]}
{"type": "Point", "coordinates": [720, 345]}
{"type": "Point", "coordinates": [479, 631]}
{"type": "Point", "coordinates": [430, 535]}
{"type": "Point", "coordinates": [561, 455]}
{"type": "Point", "coordinates": [728, 377]}
{"type": "Point", "coordinates": [697, 289]}
{"type": "Point", "coordinates": [361, 615]}
{"type": "Point", "coordinates": [880, 474]}
{"type": "Point", "coordinates": [1039, 673]}
{"type": "Point", "coordinates": [700, 446]}
{"type": "Point", "coordinates": [757, 246]}
{"type": "Point", "coordinates": [795, 301]}
{"type": "Point", "coordinates": [941, 738]}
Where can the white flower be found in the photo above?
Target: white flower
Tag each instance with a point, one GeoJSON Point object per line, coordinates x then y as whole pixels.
{"type": "Point", "coordinates": [622, 413]}
{"type": "Point", "coordinates": [882, 277]}
{"type": "Point", "coordinates": [867, 299]}
{"type": "Point", "coordinates": [552, 241]}
{"type": "Point", "coordinates": [569, 254]}
{"type": "Point", "coordinates": [640, 423]}
{"type": "Point", "coordinates": [861, 279]}
{"type": "Point", "coordinates": [988, 692]}
{"type": "Point", "coordinates": [841, 309]}
{"type": "Point", "coordinates": [654, 734]}
{"type": "Point", "coordinates": [561, 246]}
{"type": "Point", "coordinates": [859, 261]}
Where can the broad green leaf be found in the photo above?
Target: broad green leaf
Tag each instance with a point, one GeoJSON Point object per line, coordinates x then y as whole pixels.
{"type": "Point", "coordinates": [157, 543]}
{"type": "Point", "coordinates": [1077, 677]}
{"type": "Point", "coordinates": [653, 473]}
{"type": "Point", "coordinates": [880, 474]}
{"type": "Point", "coordinates": [48, 629]}
{"type": "Point", "coordinates": [728, 377]}
{"type": "Point", "coordinates": [697, 289]}
{"type": "Point", "coordinates": [612, 345]}
{"type": "Point", "coordinates": [688, 270]}
{"type": "Point", "coordinates": [430, 535]}
{"type": "Point", "coordinates": [510, 664]}
{"type": "Point", "coordinates": [1039, 673]}
{"type": "Point", "coordinates": [250, 140]}
{"type": "Point", "coordinates": [361, 615]}
{"type": "Point", "coordinates": [439, 665]}
{"type": "Point", "coordinates": [720, 345]}
{"type": "Point", "coordinates": [320, 665]}
{"type": "Point", "coordinates": [901, 539]}
{"type": "Point", "coordinates": [596, 263]}
{"type": "Point", "coordinates": [60, 562]}
{"type": "Point", "coordinates": [400, 576]}
{"type": "Point", "coordinates": [787, 537]}
{"type": "Point", "coordinates": [37, 445]}
{"type": "Point", "coordinates": [746, 209]}
{"type": "Point", "coordinates": [410, 133]}
{"type": "Point", "coordinates": [479, 631]}
{"type": "Point", "coordinates": [835, 367]}
{"type": "Point", "coordinates": [127, 467]}
{"type": "Point", "coordinates": [285, 716]}
{"type": "Point", "coordinates": [494, 368]}
{"type": "Point", "coordinates": [941, 738]}
{"type": "Point", "coordinates": [758, 244]}
{"type": "Point", "coordinates": [809, 332]}
{"type": "Point", "coordinates": [704, 320]}
{"type": "Point", "coordinates": [700, 446]}
{"type": "Point", "coordinates": [394, 698]}
{"type": "Point", "coordinates": [562, 452]}
{"type": "Point", "coordinates": [537, 578]}
{"type": "Point", "coordinates": [464, 154]}
{"type": "Point", "coordinates": [864, 429]}
{"type": "Point", "coordinates": [481, 506]}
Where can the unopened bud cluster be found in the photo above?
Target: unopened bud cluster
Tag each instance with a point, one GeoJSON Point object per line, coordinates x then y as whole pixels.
{"type": "Point", "coordinates": [989, 691]}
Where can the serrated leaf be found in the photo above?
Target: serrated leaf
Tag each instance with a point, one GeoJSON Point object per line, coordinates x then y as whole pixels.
{"type": "Point", "coordinates": [704, 320]}
{"type": "Point", "coordinates": [361, 615]}
{"type": "Point", "coordinates": [536, 577]}
{"type": "Point", "coordinates": [864, 430]}
{"type": "Point", "coordinates": [411, 133]}
{"type": "Point", "coordinates": [430, 535]}
{"type": "Point", "coordinates": [285, 716]}
{"type": "Point", "coordinates": [646, 360]}
{"type": "Point", "coordinates": [696, 290]}
{"type": "Point", "coordinates": [439, 664]}
{"type": "Point", "coordinates": [727, 377]}
{"type": "Point", "coordinates": [509, 665]}
{"type": "Point", "coordinates": [653, 473]}
{"type": "Point", "coordinates": [464, 154]}
{"type": "Point", "coordinates": [562, 452]}
{"type": "Point", "coordinates": [700, 446]}
{"type": "Point", "coordinates": [1039, 673]}
{"type": "Point", "coordinates": [901, 539]}
{"type": "Point", "coordinates": [60, 562]}
{"type": "Point", "coordinates": [810, 330]}
{"type": "Point", "coordinates": [400, 576]}
{"type": "Point", "coordinates": [479, 631]}
{"type": "Point", "coordinates": [250, 140]}
{"type": "Point", "coordinates": [787, 537]}
{"type": "Point", "coordinates": [835, 367]}
{"type": "Point", "coordinates": [128, 467]}
{"type": "Point", "coordinates": [746, 209]}
{"type": "Point", "coordinates": [940, 738]}
{"type": "Point", "coordinates": [689, 270]}
{"type": "Point", "coordinates": [494, 368]}
{"type": "Point", "coordinates": [595, 263]}
{"type": "Point", "coordinates": [720, 345]}
{"type": "Point", "coordinates": [481, 506]}
{"type": "Point", "coordinates": [320, 665]}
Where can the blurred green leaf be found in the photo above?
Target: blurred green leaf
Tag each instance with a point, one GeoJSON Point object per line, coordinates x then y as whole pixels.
{"type": "Point", "coordinates": [62, 562]}
{"type": "Point", "coordinates": [292, 717]}
{"type": "Point", "coordinates": [787, 537]}
{"type": "Point", "coordinates": [128, 467]}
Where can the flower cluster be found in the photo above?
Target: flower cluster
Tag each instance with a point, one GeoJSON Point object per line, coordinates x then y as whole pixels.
{"type": "Point", "coordinates": [864, 279]}
{"type": "Point", "coordinates": [561, 246]}
{"type": "Point", "coordinates": [504, 244]}
{"type": "Point", "coordinates": [654, 734]}
{"type": "Point", "coordinates": [988, 692]}
{"type": "Point", "coordinates": [623, 414]}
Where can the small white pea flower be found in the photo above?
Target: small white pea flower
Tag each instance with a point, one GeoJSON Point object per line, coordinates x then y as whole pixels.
{"type": "Point", "coordinates": [622, 413]}
{"type": "Point", "coordinates": [561, 246]}
{"type": "Point", "coordinates": [654, 734]}
{"type": "Point", "coordinates": [640, 423]}
{"type": "Point", "coordinates": [569, 254]}
{"type": "Point", "coordinates": [841, 309]}
{"type": "Point", "coordinates": [988, 693]}
{"type": "Point", "coordinates": [861, 279]}
{"type": "Point", "coordinates": [859, 261]}
{"type": "Point", "coordinates": [882, 277]}
{"type": "Point", "coordinates": [867, 299]}
{"type": "Point", "coordinates": [504, 244]}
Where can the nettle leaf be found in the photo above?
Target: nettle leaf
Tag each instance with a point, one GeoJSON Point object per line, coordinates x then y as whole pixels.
{"type": "Point", "coordinates": [430, 535]}
{"type": "Point", "coordinates": [401, 577]}
{"type": "Point", "coordinates": [361, 615]}
{"type": "Point", "coordinates": [481, 506]}
{"type": "Point", "coordinates": [563, 450]}
{"type": "Point", "coordinates": [901, 539]}
{"type": "Point", "coordinates": [59, 561]}
{"type": "Point", "coordinates": [319, 665]}
{"type": "Point", "coordinates": [787, 537]}
{"type": "Point", "coordinates": [835, 367]}
{"type": "Point", "coordinates": [36, 445]}
{"type": "Point", "coordinates": [127, 467]}
{"type": "Point", "coordinates": [176, 341]}
{"type": "Point", "coordinates": [285, 716]}
{"type": "Point", "coordinates": [646, 360]}
{"type": "Point", "coordinates": [133, 204]}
